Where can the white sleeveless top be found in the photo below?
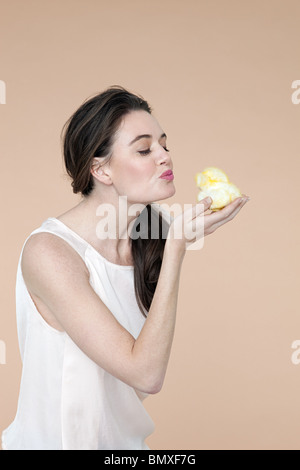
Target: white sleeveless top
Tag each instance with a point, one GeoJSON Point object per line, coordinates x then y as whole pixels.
{"type": "Point", "coordinates": [66, 401]}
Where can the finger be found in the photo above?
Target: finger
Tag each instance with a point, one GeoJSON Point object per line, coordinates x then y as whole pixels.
{"type": "Point", "coordinates": [231, 215]}
{"type": "Point", "coordinates": [197, 209]}
{"type": "Point", "coordinates": [191, 215]}
{"type": "Point", "coordinates": [218, 216]}
{"type": "Point", "coordinates": [201, 207]}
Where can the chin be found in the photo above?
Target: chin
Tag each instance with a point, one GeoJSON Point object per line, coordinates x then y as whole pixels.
{"type": "Point", "coordinates": [160, 195]}
{"type": "Point", "coordinates": [171, 191]}
{"type": "Point", "coordinates": [165, 194]}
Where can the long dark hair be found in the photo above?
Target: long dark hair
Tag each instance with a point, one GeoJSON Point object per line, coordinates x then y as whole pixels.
{"type": "Point", "coordinates": [90, 133]}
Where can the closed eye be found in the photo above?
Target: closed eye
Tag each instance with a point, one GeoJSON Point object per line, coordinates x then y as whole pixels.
{"type": "Point", "coordinates": [146, 152]}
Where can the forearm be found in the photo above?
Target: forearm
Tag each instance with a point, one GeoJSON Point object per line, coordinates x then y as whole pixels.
{"type": "Point", "coordinates": [152, 348]}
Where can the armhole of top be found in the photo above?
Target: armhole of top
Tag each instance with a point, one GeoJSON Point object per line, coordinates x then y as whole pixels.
{"type": "Point", "coordinates": [29, 297]}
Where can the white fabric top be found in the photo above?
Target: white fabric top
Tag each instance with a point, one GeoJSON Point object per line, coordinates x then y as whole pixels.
{"type": "Point", "coordinates": [66, 401]}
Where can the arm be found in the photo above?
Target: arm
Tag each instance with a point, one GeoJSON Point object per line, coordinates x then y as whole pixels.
{"type": "Point", "coordinates": [155, 339]}
{"type": "Point", "coordinates": [152, 348]}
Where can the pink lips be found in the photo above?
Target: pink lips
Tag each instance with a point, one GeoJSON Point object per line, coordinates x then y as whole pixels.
{"type": "Point", "coordinates": [167, 175]}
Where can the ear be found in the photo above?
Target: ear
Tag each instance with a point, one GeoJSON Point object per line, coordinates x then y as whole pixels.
{"type": "Point", "coordinates": [101, 172]}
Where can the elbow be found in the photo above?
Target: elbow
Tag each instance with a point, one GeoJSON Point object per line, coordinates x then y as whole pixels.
{"type": "Point", "coordinates": [152, 386]}
{"type": "Point", "coordinates": [156, 388]}
{"type": "Point", "coordinates": [146, 377]}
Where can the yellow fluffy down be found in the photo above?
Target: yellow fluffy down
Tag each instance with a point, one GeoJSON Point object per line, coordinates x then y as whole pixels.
{"type": "Point", "coordinates": [214, 182]}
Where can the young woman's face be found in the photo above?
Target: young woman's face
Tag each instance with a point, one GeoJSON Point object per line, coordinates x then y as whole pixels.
{"type": "Point", "coordinates": [138, 162]}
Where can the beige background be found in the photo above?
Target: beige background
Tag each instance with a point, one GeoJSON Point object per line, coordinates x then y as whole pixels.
{"type": "Point", "coordinates": [218, 74]}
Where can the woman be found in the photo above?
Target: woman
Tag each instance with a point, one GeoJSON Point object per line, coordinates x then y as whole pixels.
{"type": "Point", "coordinates": [96, 315]}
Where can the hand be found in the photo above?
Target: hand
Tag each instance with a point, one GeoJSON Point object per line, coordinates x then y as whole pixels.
{"type": "Point", "coordinates": [193, 221]}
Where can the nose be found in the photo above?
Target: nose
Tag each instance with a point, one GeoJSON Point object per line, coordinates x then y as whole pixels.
{"type": "Point", "coordinates": [164, 158]}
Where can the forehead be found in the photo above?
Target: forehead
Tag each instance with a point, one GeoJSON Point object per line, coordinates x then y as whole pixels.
{"type": "Point", "coordinates": [137, 123]}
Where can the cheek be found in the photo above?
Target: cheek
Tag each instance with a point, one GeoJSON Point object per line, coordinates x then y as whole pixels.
{"type": "Point", "coordinates": [133, 176]}
{"type": "Point", "coordinates": [139, 172]}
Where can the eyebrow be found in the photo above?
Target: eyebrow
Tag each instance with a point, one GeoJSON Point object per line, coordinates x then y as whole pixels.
{"type": "Point", "coordinates": [145, 136]}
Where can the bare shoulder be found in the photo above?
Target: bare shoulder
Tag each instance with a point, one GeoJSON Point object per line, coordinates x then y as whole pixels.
{"type": "Point", "coordinates": [46, 254]}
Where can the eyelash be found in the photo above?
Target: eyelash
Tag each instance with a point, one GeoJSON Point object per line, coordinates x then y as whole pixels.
{"type": "Point", "coordinates": [146, 152]}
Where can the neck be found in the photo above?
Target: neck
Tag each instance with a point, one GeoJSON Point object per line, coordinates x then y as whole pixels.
{"type": "Point", "coordinates": [108, 223]}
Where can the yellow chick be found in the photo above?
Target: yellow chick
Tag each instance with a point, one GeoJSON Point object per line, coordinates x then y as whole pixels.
{"type": "Point", "coordinates": [214, 183]}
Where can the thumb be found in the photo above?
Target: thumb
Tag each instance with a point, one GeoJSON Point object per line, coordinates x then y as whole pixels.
{"type": "Point", "coordinates": [202, 206]}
